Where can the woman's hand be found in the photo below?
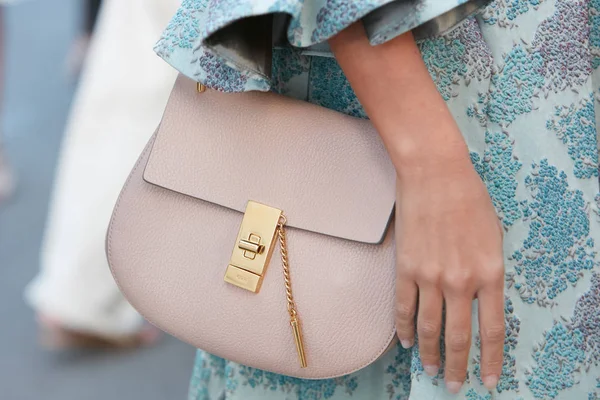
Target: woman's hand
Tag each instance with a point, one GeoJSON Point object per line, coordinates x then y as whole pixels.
{"type": "Point", "coordinates": [449, 241]}
{"type": "Point", "coordinates": [449, 250]}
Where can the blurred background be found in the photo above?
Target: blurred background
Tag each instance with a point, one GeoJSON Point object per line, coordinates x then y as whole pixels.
{"type": "Point", "coordinates": [44, 47]}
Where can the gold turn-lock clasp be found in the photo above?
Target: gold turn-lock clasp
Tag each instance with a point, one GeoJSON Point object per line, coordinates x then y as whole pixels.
{"type": "Point", "coordinates": [253, 247]}
{"type": "Point", "coordinates": [261, 227]}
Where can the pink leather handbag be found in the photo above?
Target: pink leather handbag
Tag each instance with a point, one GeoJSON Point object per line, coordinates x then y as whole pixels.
{"type": "Point", "coordinates": [200, 246]}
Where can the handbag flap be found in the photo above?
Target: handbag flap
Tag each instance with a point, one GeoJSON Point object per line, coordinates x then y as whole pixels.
{"type": "Point", "coordinates": [328, 172]}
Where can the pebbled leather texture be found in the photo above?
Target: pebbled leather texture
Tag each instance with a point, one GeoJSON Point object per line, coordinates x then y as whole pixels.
{"type": "Point", "coordinates": [168, 251]}
{"type": "Point", "coordinates": [329, 172]}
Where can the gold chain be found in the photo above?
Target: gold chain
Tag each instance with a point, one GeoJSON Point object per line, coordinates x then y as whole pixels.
{"type": "Point", "coordinates": [291, 305]}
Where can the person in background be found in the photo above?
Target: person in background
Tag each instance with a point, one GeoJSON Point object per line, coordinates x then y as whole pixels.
{"type": "Point", "coordinates": [123, 90]}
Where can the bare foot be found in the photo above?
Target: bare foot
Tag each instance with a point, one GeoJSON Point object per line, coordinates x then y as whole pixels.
{"type": "Point", "coordinates": [55, 336]}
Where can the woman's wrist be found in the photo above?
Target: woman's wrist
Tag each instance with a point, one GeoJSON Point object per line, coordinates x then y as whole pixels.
{"type": "Point", "coordinates": [416, 159]}
{"type": "Point", "coordinates": [398, 94]}
{"type": "Point", "coordinates": [422, 147]}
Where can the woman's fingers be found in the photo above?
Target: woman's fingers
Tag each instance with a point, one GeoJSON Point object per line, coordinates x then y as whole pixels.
{"type": "Point", "coordinates": [492, 332]}
{"type": "Point", "coordinates": [429, 327]}
{"type": "Point", "coordinates": [449, 243]}
{"type": "Point", "coordinates": [406, 307]}
{"type": "Point", "coordinates": [458, 339]}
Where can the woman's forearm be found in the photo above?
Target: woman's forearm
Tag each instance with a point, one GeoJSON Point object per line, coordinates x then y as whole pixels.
{"type": "Point", "coordinates": [397, 92]}
{"type": "Point", "coordinates": [448, 238]}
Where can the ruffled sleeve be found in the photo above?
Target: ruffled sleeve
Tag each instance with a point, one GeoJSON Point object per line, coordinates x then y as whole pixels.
{"type": "Point", "coordinates": [226, 44]}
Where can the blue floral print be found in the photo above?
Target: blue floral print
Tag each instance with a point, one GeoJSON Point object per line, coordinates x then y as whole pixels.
{"type": "Point", "coordinates": [513, 88]}
{"type": "Point", "coordinates": [335, 15]}
{"type": "Point", "coordinates": [311, 23]}
{"type": "Point", "coordinates": [473, 395]}
{"type": "Point", "coordinates": [330, 88]}
{"type": "Point", "coordinates": [183, 30]}
{"type": "Point", "coordinates": [557, 358]}
{"type": "Point", "coordinates": [399, 369]}
{"type": "Point", "coordinates": [567, 32]}
{"type": "Point", "coordinates": [558, 249]}
{"type": "Point", "coordinates": [594, 22]}
{"type": "Point", "coordinates": [505, 12]}
{"type": "Point", "coordinates": [498, 167]}
{"type": "Point", "coordinates": [575, 125]}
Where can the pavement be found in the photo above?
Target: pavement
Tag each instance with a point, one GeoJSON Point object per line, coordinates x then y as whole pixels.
{"type": "Point", "coordinates": [38, 93]}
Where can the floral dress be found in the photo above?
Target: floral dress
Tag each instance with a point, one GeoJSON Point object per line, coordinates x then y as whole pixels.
{"type": "Point", "coordinates": [521, 79]}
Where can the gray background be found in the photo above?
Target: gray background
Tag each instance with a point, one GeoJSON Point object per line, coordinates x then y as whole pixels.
{"type": "Point", "coordinates": [37, 97]}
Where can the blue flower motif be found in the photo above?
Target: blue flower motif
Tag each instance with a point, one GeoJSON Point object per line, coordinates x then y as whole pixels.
{"type": "Point", "coordinates": [576, 127]}
{"type": "Point", "coordinates": [304, 389]}
{"type": "Point", "coordinates": [557, 360]}
{"type": "Point", "coordinates": [444, 60]}
{"type": "Point", "coordinates": [183, 30]}
{"type": "Point", "coordinates": [586, 319]}
{"type": "Point", "coordinates": [578, 349]}
{"type": "Point", "coordinates": [335, 15]}
{"type": "Point", "coordinates": [557, 250]}
{"type": "Point", "coordinates": [462, 54]}
{"type": "Point", "coordinates": [512, 88]}
{"type": "Point", "coordinates": [399, 388]}
{"type": "Point", "coordinates": [328, 87]}
{"type": "Point", "coordinates": [594, 21]}
{"type": "Point", "coordinates": [473, 395]}
{"type": "Point", "coordinates": [563, 43]}
{"type": "Point", "coordinates": [222, 77]}
{"type": "Point", "coordinates": [288, 63]}
{"type": "Point", "coordinates": [206, 369]}
{"type": "Point", "coordinates": [416, 366]}
{"type": "Point", "coordinates": [477, 55]}
{"type": "Point", "coordinates": [504, 12]}
{"type": "Point", "coordinates": [498, 168]}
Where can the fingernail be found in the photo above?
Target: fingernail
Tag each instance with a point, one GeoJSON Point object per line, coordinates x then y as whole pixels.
{"type": "Point", "coordinates": [490, 382]}
{"type": "Point", "coordinates": [453, 387]}
{"type": "Point", "coordinates": [407, 344]}
{"type": "Point", "coordinates": [431, 370]}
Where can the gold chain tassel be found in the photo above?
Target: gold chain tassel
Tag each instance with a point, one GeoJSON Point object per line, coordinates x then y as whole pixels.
{"type": "Point", "coordinates": [291, 305]}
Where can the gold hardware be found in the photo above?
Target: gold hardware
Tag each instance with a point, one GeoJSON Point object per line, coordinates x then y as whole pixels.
{"type": "Point", "coordinates": [243, 279]}
{"type": "Point", "coordinates": [299, 342]}
{"type": "Point", "coordinates": [251, 256]}
{"type": "Point", "coordinates": [254, 246]}
{"type": "Point", "coordinates": [291, 304]}
{"type": "Point", "coordinates": [200, 87]}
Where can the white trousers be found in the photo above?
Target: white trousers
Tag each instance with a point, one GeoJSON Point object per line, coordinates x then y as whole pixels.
{"type": "Point", "coordinates": [124, 89]}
